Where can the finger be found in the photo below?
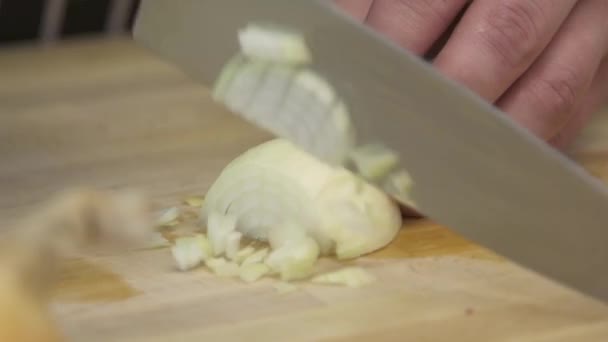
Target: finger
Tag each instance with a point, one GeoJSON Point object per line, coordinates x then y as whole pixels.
{"type": "Point", "coordinates": [356, 8]}
{"type": "Point", "coordinates": [497, 40]}
{"type": "Point", "coordinates": [413, 24]}
{"type": "Point", "coordinates": [544, 98]}
{"type": "Point", "coordinates": [596, 98]}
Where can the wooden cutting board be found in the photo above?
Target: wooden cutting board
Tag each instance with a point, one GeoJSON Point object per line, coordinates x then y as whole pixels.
{"type": "Point", "coordinates": [110, 115]}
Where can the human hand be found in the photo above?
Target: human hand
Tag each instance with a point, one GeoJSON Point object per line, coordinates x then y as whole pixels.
{"type": "Point", "coordinates": [543, 62]}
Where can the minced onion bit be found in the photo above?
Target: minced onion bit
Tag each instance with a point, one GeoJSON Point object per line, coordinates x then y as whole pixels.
{"type": "Point", "coordinates": [252, 272]}
{"type": "Point", "coordinates": [168, 217]}
{"type": "Point", "coordinates": [399, 184]}
{"type": "Point", "coordinates": [194, 201]}
{"type": "Point", "coordinates": [350, 276]}
{"type": "Point", "coordinates": [188, 252]}
{"type": "Point", "coordinates": [278, 193]}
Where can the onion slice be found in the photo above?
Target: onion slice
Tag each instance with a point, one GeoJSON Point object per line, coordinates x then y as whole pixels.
{"type": "Point", "coordinates": [275, 44]}
{"type": "Point", "coordinates": [188, 252]}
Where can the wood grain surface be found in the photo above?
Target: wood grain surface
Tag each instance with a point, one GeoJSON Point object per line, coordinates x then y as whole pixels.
{"type": "Point", "coordinates": [110, 115]}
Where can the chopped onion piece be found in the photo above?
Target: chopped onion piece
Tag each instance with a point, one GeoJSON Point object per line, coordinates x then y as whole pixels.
{"type": "Point", "coordinates": [218, 228]}
{"type": "Point", "coordinates": [158, 240]}
{"type": "Point", "coordinates": [275, 44]}
{"type": "Point", "coordinates": [195, 201]}
{"type": "Point", "coordinates": [243, 88]}
{"type": "Point", "coordinates": [252, 272]}
{"type": "Point", "coordinates": [350, 276]}
{"type": "Point", "coordinates": [256, 257]}
{"type": "Point", "coordinates": [285, 233]}
{"type": "Point", "coordinates": [242, 254]}
{"type": "Point", "coordinates": [226, 77]}
{"type": "Point", "coordinates": [399, 184]}
{"type": "Point", "coordinates": [222, 267]}
{"type": "Point", "coordinates": [233, 244]}
{"type": "Point", "coordinates": [294, 260]}
{"type": "Point", "coordinates": [190, 251]}
{"type": "Point", "coordinates": [171, 223]}
{"type": "Point", "coordinates": [168, 217]}
{"type": "Point", "coordinates": [374, 161]}
{"type": "Point", "coordinates": [285, 287]}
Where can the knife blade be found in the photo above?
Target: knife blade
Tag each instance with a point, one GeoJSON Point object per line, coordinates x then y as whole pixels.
{"type": "Point", "coordinates": [473, 170]}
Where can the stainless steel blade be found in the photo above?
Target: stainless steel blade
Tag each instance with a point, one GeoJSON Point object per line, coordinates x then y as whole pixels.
{"type": "Point", "coordinates": [473, 170]}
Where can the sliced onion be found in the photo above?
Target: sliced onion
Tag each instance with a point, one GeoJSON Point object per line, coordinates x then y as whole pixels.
{"type": "Point", "coordinates": [168, 216]}
{"type": "Point", "coordinates": [374, 161]}
{"type": "Point", "coordinates": [194, 201]}
{"type": "Point", "coordinates": [399, 184]}
{"type": "Point", "coordinates": [222, 267]}
{"type": "Point", "coordinates": [252, 272]}
{"type": "Point", "coordinates": [279, 193]}
{"type": "Point", "coordinates": [255, 258]}
{"type": "Point", "coordinates": [233, 245]}
{"type": "Point", "coordinates": [242, 254]}
{"type": "Point", "coordinates": [189, 252]}
{"type": "Point", "coordinates": [219, 226]}
{"type": "Point", "coordinates": [295, 260]}
{"type": "Point", "coordinates": [272, 43]}
{"type": "Point", "coordinates": [226, 77]}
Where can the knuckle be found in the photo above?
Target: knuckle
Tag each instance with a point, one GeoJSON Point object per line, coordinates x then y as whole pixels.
{"type": "Point", "coordinates": [558, 94]}
{"type": "Point", "coordinates": [427, 8]}
{"type": "Point", "coordinates": [511, 31]}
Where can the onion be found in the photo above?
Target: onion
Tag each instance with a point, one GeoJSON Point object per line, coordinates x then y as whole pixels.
{"type": "Point", "coordinates": [219, 228]}
{"type": "Point", "coordinates": [350, 276]}
{"type": "Point", "coordinates": [188, 252]}
{"type": "Point", "coordinates": [269, 83]}
{"type": "Point", "coordinates": [277, 189]}
{"type": "Point", "coordinates": [252, 272]}
{"type": "Point", "coordinates": [194, 201]}
{"type": "Point", "coordinates": [223, 268]}
{"type": "Point", "coordinates": [281, 194]}
{"type": "Point", "coordinates": [256, 257]}
{"type": "Point", "coordinates": [242, 254]}
{"type": "Point", "coordinates": [233, 244]}
{"type": "Point", "coordinates": [295, 260]}
{"type": "Point", "coordinates": [374, 161]}
{"type": "Point", "coordinates": [168, 217]}
{"type": "Point", "coordinates": [274, 44]}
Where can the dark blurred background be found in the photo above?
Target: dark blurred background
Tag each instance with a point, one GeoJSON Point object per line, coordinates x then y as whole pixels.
{"type": "Point", "coordinates": [48, 21]}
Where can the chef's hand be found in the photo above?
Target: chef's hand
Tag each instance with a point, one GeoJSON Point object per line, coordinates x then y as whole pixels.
{"type": "Point", "coordinates": [541, 61]}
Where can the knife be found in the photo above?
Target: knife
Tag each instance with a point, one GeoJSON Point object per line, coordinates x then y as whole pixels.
{"type": "Point", "coordinates": [472, 169]}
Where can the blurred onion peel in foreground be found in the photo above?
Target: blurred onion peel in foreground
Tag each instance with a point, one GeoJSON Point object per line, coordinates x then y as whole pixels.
{"type": "Point", "coordinates": [78, 220]}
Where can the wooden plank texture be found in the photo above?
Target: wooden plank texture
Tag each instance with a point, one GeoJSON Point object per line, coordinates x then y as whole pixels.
{"type": "Point", "coordinates": [108, 114]}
